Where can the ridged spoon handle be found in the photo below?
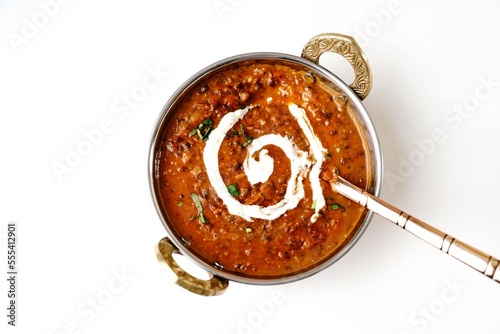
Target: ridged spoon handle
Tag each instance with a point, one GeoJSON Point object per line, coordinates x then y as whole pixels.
{"type": "Point", "coordinates": [482, 262]}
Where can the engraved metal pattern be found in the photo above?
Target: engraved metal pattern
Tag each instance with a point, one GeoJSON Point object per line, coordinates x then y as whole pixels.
{"type": "Point", "coordinates": [482, 262]}
{"type": "Point", "coordinates": [212, 287]}
{"type": "Point", "coordinates": [348, 48]}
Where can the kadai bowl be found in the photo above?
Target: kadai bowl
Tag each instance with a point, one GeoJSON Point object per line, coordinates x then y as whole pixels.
{"type": "Point", "coordinates": [242, 161]}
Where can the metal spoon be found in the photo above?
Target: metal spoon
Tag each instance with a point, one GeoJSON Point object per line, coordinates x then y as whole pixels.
{"type": "Point", "coordinates": [482, 262]}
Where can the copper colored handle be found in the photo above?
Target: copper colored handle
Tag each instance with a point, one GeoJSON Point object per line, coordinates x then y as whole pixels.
{"type": "Point", "coordinates": [348, 48]}
{"type": "Point", "coordinates": [482, 262]}
{"type": "Point", "coordinates": [212, 287]}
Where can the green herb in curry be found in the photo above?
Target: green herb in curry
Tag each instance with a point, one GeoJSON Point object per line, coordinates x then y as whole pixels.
{"type": "Point", "coordinates": [248, 138]}
{"type": "Point", "coordinates": [233, 189]}
{"type": "Point", "coordinates": [336, 206]}
{"type": "Point", "coordinates": [197, 203]}
{"type": "Point", "coordinates": [203, 130]}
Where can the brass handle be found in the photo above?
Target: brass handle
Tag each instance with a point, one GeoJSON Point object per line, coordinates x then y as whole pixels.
{"type": "Point", "coordinates": [213, 287]}
{"type": "Point", "coordinates": [347, 47]}
{"type": "Point", "coordinates": [482, 262]}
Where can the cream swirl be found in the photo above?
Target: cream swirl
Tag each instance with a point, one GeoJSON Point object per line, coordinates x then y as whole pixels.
{"type": "Point", "coordinates": [301, 164]}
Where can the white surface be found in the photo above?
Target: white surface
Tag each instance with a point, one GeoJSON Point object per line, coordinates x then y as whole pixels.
{"type": "Point", "coordinates": [76, 235]}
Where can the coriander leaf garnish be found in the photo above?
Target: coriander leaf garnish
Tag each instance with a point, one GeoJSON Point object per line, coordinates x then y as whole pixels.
{"type": "Point", "coordinates": [233, 189]}
{"type": "Point", "coordinates": [203, 130]}
{"type": "Point", "coordinates": [336, 206]}
{"type": "Point", "coordinates": [207, 132]}
{"type": "Point", "coordinates": [208, 121]}
{"type": "Point", "coordinates": [248, 141]}
{"type": "Point", "coordinates": [198, 131]}
{"type": "Point", "coordinates": [248, 138]}
{"type": "Point", "coordinates": [242, 133]}
{"type": "Point", "coordinates": [197, 203]}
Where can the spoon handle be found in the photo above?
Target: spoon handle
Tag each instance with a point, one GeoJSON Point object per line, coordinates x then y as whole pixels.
{"type": "Point", "coordinates": [482, 262]}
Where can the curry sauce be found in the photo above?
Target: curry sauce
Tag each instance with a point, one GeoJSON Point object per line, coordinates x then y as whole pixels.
{"type": "Point", "coordinates": [245, 166]}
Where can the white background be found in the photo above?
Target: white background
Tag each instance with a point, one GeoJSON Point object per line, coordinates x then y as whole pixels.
{"type": "Point", "coordinates": [72, 69]}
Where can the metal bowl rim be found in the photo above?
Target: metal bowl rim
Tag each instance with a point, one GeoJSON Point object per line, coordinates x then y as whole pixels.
{"type": "Point", "coordinates": [360, 110]}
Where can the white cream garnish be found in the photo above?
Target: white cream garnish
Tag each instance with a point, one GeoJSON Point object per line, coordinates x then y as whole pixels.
{"type": "Point", "coordinates": [318, 152]}
{"type": "Point", "coordinates": [260, 171]}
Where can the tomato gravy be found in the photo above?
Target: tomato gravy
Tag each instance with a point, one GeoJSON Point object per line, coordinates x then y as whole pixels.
{"type": "Point", "coordinates": [245, 165]}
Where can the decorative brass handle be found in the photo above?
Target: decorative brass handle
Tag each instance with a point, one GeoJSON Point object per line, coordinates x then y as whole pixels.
{"type": "Point", "coordinates": [213, 287]}
{"type": "Point", "coordinates": [482, 262]}
{"type": "Point", "coordinates": [347, 47]}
